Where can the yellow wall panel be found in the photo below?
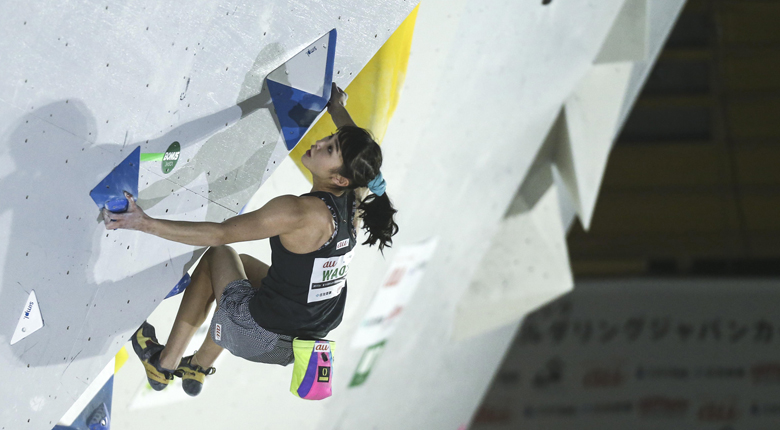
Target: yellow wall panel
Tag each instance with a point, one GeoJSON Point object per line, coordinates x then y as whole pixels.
{"type": "Point", "coordinates": [373, 94]}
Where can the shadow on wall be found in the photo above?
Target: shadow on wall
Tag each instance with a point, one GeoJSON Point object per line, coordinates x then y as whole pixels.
{"type": "Point", "coordinates": [50, 246]}
{"type": "Point", "coordinates": [619, 354]}
{"type": "Point", "coordinates": [239, 145]}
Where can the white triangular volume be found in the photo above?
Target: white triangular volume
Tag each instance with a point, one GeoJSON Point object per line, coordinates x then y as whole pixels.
{"type": "Point", "coordinates": [628, 37]}
{"type": "Point", "coordinates": [306, 70]}
{"type": "Point", "coordinates": [30, 321]}
{"type": "Point", "coordinates": [568, 207]}
{"type": "Point", "coordinates": [592, 115]}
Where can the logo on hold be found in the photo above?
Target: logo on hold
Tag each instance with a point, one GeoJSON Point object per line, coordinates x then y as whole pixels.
{"type": "Point", "coordinates": [28, 310]}
{"type": "Point", "coordinates": [322, 347]}
{"type": "Point", "coordinates": [343, 244]}
{"type": "Point", "coordinates": [218, 331]}
{"type": "Point", "coordinates": [170, 157]}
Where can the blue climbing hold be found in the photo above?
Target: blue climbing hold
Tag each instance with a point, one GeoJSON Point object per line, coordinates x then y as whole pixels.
{"type": "Point", "coordinates": [182, 285]}
{"type": "Point", "coordinates": [99, 420]}
{"type": "Point", "coordinates": [300, 88]}
{"type": "Point", "coordinates": [109, 193]}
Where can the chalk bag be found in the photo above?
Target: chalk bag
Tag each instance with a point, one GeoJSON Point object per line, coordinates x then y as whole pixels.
{"type": "Point", "coordinates": [312, 377]}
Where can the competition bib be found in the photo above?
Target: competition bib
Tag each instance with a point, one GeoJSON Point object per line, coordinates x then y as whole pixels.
{"type": "Point", "coordinates": [329, 277]}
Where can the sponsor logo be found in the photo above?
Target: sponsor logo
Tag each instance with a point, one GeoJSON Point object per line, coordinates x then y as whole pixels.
{"type": "Point", "coordinates": [395, 312]}
{"type": "Point", "coordinates": [218, 331]}
{"type": "Point", "coordinates": [717, 412]}
{"type": "Point", "coordinates": [676, 373]}
{"type": "Point", "coordinates": [329, 275]}
{"type": "Point", "coordinates": [721, 372]}
{"type": "Point", "coordinates": [550, 410]}
{"type": "Point", "coordinates": [343, 244]}
{"type": "Point", "coordinates": [323, 373]}
{"type": "Point", "coordinates": [28, 310]}
{"type": "Point", "coordinates": [663, 407]}
{"type": "Point", "coordinates": [620, 407]}
{"type": "Point", "coordinates": [603, 377]}
{"type": "Point", "coordinates": [322, 347]}
{"type": "Point", "coordinates": [171, 157]}
{"type": "Point", "coordinates": [373, 321]}
{"type": "Point", "coordinates": [395, 277]}
{"type": "Point", "coordinates": [765, 373]}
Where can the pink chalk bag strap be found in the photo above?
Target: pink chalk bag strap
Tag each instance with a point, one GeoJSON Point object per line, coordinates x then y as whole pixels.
{"type": "Point", "coordinates": [313, 369]}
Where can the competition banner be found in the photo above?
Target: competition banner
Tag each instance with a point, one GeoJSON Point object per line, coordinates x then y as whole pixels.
{"type": "Point", "coordinates": [398, 286]}
{"type": "Point", "coordinates": [366, 363]}
{"type": "Point", "coordinates": [671, 354]}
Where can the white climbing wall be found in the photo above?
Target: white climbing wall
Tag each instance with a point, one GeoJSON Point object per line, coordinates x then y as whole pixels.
{"type": "Point", "coordinates": [83, 84]}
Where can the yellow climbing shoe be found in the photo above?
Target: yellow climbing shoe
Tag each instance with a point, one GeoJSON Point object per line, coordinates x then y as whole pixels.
{"type": "Point", "coordinates": [192, 375]}
{"type": "Point", "coordinates": [148, 349]}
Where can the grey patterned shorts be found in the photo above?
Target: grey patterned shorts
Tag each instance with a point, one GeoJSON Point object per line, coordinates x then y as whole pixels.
{"type": "Point", "coordinates": [234, 329]}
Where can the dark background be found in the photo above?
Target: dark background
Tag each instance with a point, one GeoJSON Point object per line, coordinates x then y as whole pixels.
{"type": "Point", "coordinates": [686, 232]}
{"type": "Point", "coordinates": [691, 186]}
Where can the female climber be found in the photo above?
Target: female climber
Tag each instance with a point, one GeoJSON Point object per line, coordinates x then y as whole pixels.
{"type": "Point", "coordinates": [261, 308]}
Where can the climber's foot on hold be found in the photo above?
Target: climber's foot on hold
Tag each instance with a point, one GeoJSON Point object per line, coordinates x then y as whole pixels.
{"type": "Point", "coordinates": [148, 349]}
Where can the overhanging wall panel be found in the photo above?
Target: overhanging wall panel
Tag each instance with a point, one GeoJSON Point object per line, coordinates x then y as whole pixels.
{"type": "Point", "coordinates": [84, 85]}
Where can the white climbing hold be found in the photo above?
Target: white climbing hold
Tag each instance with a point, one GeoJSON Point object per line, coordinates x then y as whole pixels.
{"type": "Point", "coordinates": [30, 321]}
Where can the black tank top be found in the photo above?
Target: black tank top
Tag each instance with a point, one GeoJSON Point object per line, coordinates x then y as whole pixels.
{"type": "Point", "coordinates": [304, 294]}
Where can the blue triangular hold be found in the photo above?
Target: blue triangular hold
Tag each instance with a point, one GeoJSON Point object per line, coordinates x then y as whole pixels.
{"type": "Point", "coordinates": [296, 108]}
{"type": "Point", "coordinates": [97, 414]}
{"type": "Point", "coordinates": [100, 418]}
{"type": "Point", "coordinates": [109, 192]}
{"type": "Point", "coordinates": [296, 111]}
{"type": "Point", "coordinates": [180, 286]}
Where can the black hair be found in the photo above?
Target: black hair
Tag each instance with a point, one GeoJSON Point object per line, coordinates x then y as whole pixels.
{"type": "Point", "coordinates": [362, 158]}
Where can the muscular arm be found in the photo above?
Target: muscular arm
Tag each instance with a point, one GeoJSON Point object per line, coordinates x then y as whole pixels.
{"type": "Point", "coordinates": [281, 215]}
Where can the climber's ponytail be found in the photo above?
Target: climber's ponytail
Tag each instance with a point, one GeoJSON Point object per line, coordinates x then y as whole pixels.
{"type": "Point", "coordinates": [362, 162]}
